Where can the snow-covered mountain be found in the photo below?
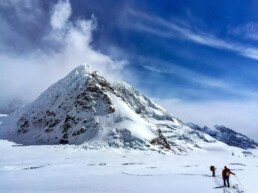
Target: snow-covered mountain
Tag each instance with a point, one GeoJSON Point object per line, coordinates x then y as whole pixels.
{"type": "Point", "coordinates": [84, 108]}
{"type": "Point", "coordinates": [226, 135]}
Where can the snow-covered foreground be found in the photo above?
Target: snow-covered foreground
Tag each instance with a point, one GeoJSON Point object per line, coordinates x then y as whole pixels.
{"type": "Point", "coordinates": [69, 168]}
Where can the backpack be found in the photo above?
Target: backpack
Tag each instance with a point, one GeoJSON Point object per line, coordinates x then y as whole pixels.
{"type": "Point", "coordinates": [212, 168]}
{"type": "Point", "coordinates": [227, 172]}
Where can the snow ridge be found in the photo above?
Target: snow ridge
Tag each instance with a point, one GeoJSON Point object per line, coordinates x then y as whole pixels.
{"type": "Point", "coordinates": [226, 135]}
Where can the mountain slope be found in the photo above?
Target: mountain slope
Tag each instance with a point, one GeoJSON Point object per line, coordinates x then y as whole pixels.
{"type": "Point", "coordinates": [84, 108]}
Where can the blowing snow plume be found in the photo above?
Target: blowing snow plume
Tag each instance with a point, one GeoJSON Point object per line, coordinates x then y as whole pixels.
{"type": "Point", "coordinates": [53, 44]}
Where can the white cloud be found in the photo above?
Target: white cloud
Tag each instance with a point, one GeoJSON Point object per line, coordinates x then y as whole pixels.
{"type": "Point", "coordinates": [68, 45]}
{"type": "Point", "coordinates": [238, 115]}
{"type": "Point", "coordinates": [60, 14]}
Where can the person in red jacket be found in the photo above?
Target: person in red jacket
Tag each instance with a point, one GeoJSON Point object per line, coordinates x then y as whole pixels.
{"type": "Point", "coordinates": [225, 175]}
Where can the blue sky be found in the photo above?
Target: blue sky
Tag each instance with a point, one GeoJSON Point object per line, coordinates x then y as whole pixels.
{"type": "Point", "coordinates": [198, 46]}
{"type": "Point", "coordinates": [198, 59]}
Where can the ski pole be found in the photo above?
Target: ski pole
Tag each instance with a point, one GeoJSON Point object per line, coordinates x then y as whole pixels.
{"type": "Point", "coordinates": [237, 179]}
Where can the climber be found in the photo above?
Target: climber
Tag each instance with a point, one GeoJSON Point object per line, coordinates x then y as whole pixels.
{"type": "Point", "coordinates": [225, 175]}
{"type": "Point", "coordinates": [213, 169]}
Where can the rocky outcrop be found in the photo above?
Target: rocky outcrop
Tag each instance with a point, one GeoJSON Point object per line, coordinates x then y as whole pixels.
{"type": "Point", "coordinates": [160, 141]}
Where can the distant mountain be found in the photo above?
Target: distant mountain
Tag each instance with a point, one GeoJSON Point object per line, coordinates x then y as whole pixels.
{"type": "Point", "coordinates": [10, 107]}
{"type": "Point", "coordinates": [226, 135]}
{"type": "Point", "coordinates": [84, 108]}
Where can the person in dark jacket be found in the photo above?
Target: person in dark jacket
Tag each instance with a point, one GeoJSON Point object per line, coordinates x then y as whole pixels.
{"type": "Point", "coordinates": [213, 169]}
{"type": "Point", "coordinates": [225, 175]}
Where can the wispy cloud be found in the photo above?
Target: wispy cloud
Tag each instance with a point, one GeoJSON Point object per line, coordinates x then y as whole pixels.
{"type": "Point", "coordinates": [172, 29]}
{"type": "Point", "coordinates": [197, 83]}
{"type": "Point", "coordinates": [248, 31]}
{"type": "Point", "coordinates": [190, 76]}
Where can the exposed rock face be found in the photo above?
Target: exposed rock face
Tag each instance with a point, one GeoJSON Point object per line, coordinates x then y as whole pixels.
{"type": "Point", "coordinates": [161, 141]}
{"type": "Point", "coordinates": [226, 135]}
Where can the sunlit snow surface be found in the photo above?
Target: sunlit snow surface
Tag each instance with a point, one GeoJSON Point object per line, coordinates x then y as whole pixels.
{"type": "Point", "coordinates": [69, 168]}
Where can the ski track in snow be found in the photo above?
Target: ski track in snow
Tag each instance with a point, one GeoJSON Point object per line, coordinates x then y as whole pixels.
{"type": "Point", "coordinates": [10, 168]}
{"type": "Point", "coordinates": [239, 164]}
{"type": "Point", "coordinates": [235, 188]}
{"type": "Point", "coordinates": [130, 174]}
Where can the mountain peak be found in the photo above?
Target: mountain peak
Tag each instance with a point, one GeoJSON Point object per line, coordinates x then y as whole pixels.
{"type": "Point", "coordinates": [84, 108]}
{"type": "Point", "coordinates": [82, 69]}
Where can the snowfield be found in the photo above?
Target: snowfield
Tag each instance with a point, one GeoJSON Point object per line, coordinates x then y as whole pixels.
{"type": "Point", "coordinates": [77, 169]}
